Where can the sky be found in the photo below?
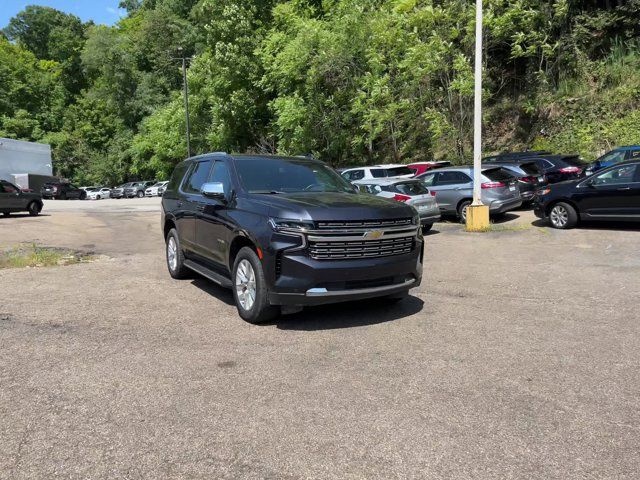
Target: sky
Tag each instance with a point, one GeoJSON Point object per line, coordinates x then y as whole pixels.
{"type": "Point", "coordinates": [100, 11]}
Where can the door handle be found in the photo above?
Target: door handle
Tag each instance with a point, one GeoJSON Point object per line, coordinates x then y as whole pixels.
{"type": "Point", "coordinates": [623, 189]}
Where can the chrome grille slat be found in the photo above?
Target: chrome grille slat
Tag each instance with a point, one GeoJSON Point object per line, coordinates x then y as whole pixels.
{"type": "Point", "coordinates": [328, 250]}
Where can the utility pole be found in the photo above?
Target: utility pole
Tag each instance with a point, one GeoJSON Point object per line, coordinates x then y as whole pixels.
{"type": "Point", "coordinates": [477, 212]}
{"type": "Point", "coordinates": [186, 100]}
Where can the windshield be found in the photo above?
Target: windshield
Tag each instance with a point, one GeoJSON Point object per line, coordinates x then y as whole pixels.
{"type": "Point", "coordinates": [574, 161]}
{"type": "Point", "coordinates": [497, 175]}
{"type": "Point", "coordinates": [279, 175]}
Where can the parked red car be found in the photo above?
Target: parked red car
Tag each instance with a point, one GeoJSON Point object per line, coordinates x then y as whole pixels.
{"type": "Point", "coordinates": [421, 167]}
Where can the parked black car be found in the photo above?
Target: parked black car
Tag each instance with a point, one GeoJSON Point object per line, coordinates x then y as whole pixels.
{"type": "Point", "coordinates": [13, 199]}
{"type": "Point", "coordinates": [610, 194]}
{"type": "Point", "coordinates": [556, 168]}
{"type": "Point", "coordinates": [62, 191]}
{"type": "Point", "coordinates": [288, 232]}
{"type": "Point", "coordinates": [529, 176]}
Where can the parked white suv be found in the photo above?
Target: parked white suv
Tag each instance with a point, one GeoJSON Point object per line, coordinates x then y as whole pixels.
{"type": "Point", "coordinates": [377, 171]}
{"type": "Point", "coordinates": [156, 190]}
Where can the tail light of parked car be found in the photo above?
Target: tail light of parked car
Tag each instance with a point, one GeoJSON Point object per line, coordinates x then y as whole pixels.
{"type": "Point", "coordinates": [528, 179]}
{"type": "Point", "coordinates": [492, 185]}
{"type": "Point", "coordinates": [401, 198]}
{"type": "Point", "coordinates": [570, 170]}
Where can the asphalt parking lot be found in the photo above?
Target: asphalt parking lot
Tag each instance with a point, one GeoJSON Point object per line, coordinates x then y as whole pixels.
{"type": "Point", "coordinates": [518, 357]}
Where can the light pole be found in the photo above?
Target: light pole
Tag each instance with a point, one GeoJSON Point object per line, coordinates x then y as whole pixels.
{"type": "Point", "coordinates": [186, 99]}
{"type": "Point", "coordinates": [477, 212]}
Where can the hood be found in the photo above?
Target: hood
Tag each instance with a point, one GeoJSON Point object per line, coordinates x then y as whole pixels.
{"type": "Point", "coordinates": [332, 206]}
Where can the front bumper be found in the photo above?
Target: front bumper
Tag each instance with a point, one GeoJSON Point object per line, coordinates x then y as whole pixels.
{"type": "Point", "coordinates": [305, 281]}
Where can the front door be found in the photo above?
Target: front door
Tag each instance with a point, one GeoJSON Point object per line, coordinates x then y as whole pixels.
{"type": "Point", "coordinates": [213, 228]}
{"type": "Point", "coordinates": [613, 194]}
{"type": "Point", "coordinates": [451, 187]}
{"type": "Point", "coordinates": [10, 198]}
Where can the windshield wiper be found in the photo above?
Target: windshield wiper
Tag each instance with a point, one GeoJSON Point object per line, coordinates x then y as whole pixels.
{"type": "Point", "coordinates": [268, 192]}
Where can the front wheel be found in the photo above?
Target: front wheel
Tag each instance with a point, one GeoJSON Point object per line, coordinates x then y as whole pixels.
{"type": "Point", "coordinates": [33, 209]}
{"type": "Point", "coordinates": [6, 214]}
{"type": "Point", "coordinates": [250, 288]}
{"type": "Point", "coordinates": [426, 228]}
{"type": "Point", "coordinates": [140, 194]}
{"type": "Point", "coordinates": [563, 216]}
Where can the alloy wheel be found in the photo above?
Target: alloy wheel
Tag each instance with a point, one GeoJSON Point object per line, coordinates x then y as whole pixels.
{"type": "Point", "coordinates": [172, 254]}
{"type": "Point", "coordinates": [559, 216]}
{"type": "Point", "coordinates": [246, 285]}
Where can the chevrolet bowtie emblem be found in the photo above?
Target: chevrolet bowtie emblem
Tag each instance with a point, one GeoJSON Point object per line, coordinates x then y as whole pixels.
{"type": "Point", "coordinates": [373, 235]}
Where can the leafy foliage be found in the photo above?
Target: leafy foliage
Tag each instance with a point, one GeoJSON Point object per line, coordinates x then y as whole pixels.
{"type": "Point", "coordinates": [351, 81]}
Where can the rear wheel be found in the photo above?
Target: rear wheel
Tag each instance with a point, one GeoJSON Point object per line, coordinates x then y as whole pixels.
{"type": "Point", "coordinates": [175, 256]}
{"type": "Point", "coordinates": [140, 194]}
{"type": "Point", "coordinates": [563, 216]}
{"type": "Point", "coordinates": [98, 197]}
{"type": "Point", "coordinates": [462, 211]}
{"type": "Point", "coordinates": [426, 228]}
{"type": "Point", "coordinates": [250, 288]}
{"type": "Point", "coordinates": [33, 209]}
{"type": "Point", "coordinates": [63, 196]}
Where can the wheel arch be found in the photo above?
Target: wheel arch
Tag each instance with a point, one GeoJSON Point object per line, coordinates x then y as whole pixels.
{"type": "Point", "coordinates": [466, 199]}
{"type": "Point", "coordinates": [239, 242]}
{"type": "Point", "coordinates": [562, 200]}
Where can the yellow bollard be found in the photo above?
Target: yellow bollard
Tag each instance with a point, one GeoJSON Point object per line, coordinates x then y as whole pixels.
{"type": "Point", "coordinates": [478, 218]}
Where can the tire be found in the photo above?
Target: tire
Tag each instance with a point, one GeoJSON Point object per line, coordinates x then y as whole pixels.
{"type": "Point", "coordinates": [98, 197]}
{"type": "Point", "coordinates": [563, 216]}
{"type": "Point", "coordinates": [63, 196]}
{"type": "Point", "coordinates": [6, 214]}
{"type": "Point", "coordinates": [140, 194]}
{"type": "Point", "coordinates": [83, 196]}
{"type": "Point", "coordinates": [175, 256]}
{"type": "Point", "coordinates": [34, 209]}
{"type": "Point", "coordinates": [462, 211]}
{"type": "Point", "coordinates": [247, 274]}
{"type": "Point", "coordinates": [426, 228]}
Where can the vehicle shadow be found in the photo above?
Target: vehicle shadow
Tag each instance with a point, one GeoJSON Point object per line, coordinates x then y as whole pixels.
{"type": "Point", "coordinates": [504, 218]}
{"type": "Point", "coordinates": [348, 315]}
{"type": "Point", "coordinates": [21, 215]}
{"type": "Point", "coordinates": [207, 286]}
{"type": "Point", "coordinates": [596, 226]}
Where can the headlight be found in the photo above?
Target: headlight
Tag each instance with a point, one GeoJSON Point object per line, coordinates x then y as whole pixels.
{"type": "Point", "coordinates": [286, 225]}
{"type": "Point", "coordinates": [416, 218]}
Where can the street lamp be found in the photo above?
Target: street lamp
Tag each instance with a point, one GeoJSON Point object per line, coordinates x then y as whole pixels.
{"type": "Point", "coordinates": [186, 99]}
{"type": "Point", "coordinates": [477, 212]}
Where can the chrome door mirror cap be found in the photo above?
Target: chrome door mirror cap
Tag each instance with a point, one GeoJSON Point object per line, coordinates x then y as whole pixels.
{"type": "Point", "coordinates": [213, 190]}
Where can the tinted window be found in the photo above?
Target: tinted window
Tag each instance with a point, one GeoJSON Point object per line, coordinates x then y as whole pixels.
{"type": "Point", "coordinates": [7, 187]}
{"type": "Point", "coordinates": [221, 174]}
{"type": "Point", "coordinates": [498, 175]}
{"type": "Point", "coordinates": [412, 188]}
{"type": "Point", "coordinates": [530, 168]}
{"type": "Point", "coordinates": [280, 175]}
{"type": "Point", "coordinates": [616, 176]}
{"type": "Point", "coordinates": [197, 177]}
{"type": "Point", "coordinates": [451, 178]}
{"type": "Point", "coordinates": [378, 173]}
{"type": "Point", "coordinates": [613, 157]}
{"type": "Point", "coordinates": [574, 161]}
{"type": "Point", "coordinates": [176, 178]}
{"type": "Point", "coordinates": [355, 175]}
{"type": "Point", "coordinates": [396, 171]}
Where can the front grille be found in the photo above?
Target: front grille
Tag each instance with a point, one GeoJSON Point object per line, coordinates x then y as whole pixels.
{"type": "Point", "coordinates": [365, 224]}
{"type": "Point", "coordinates": [337, 250]}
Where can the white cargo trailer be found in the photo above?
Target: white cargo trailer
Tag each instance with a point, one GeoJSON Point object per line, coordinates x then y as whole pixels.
{"type": "Point", "coordinates": [26, 164]}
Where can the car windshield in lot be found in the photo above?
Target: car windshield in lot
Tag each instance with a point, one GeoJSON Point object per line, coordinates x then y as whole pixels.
{"type": "Point", "coordinates": [412, 188]}
{"type": "Point", "coordinates": [279, 175]}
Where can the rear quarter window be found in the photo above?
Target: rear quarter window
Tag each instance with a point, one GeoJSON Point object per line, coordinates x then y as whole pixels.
{"type": "Point", "coordinates": [176, 178]}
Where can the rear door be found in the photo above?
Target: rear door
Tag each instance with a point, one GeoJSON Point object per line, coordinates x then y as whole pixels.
{"type": "Point", "coordinates": [191, 200]}
{"type": "Point", "coordinates": [613, 194]}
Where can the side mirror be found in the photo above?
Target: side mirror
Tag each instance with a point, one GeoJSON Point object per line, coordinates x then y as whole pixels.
{"type": "Point", "coordinates": [213, 190]}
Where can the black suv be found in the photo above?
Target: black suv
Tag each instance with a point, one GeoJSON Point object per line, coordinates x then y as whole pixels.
{"type": "Point", "coordinates": [62, 191]}
{"type": "Point", "coordinates": [13, 199]}
{"type": "Point", "coordinates": [287, 232]}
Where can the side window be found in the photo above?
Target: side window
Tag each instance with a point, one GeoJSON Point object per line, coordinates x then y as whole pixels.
{"type": "Point", "coordinates": [452, 178]}
{"type": "Point", "coordinates": [177, 176]}
{"type": "Point", "coordinates": [7, 187]}
{"type": "Point", "coordinates": [617, 176]}
{"type": "Point", "coordinates": [613, 157]}
{"type": "Point", "coordinates": [357, 175]}
{"type": "Point", "coordinates": [378, 173]}
{"type": "Point", "coordinates": [428, 179]}
{"type": "Point", "coordinates": [633, 154]}
{"type": "Point", "coordinates": [221, 174]}
{"type": "Point", "coordinates": [197, 177]}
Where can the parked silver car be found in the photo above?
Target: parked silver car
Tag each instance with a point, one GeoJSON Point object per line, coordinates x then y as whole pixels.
{"type": "Point", "coordinates": [412, 192]}
{"type": "Point", "coordinates": [454, 189]}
